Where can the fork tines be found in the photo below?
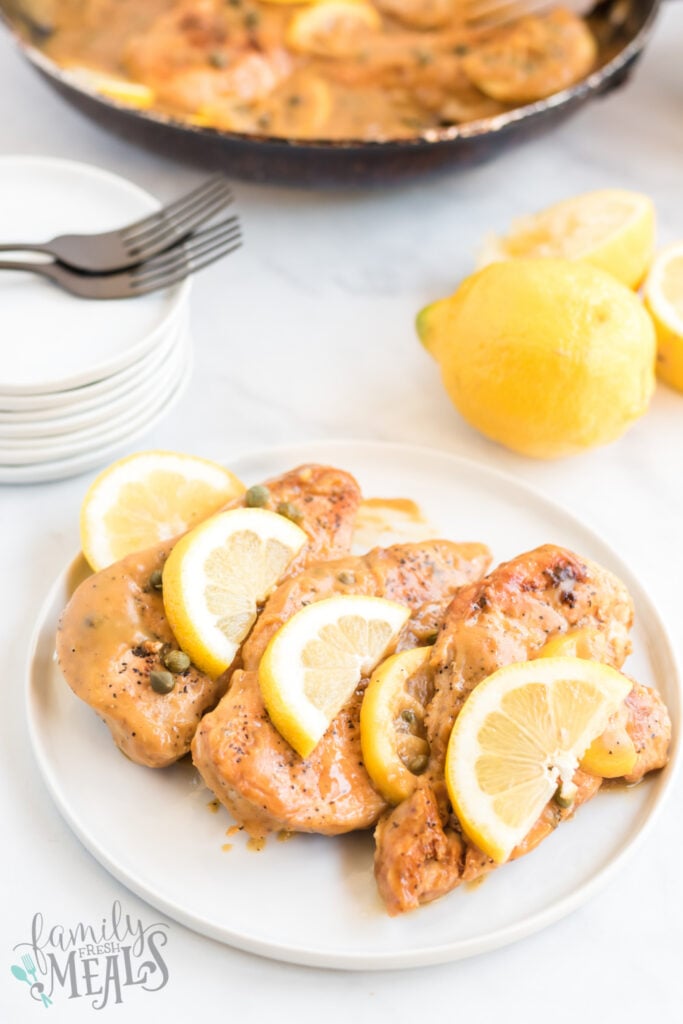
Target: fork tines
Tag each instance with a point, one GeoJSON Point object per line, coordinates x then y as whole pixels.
{"type": "Point", "coordinates": [146, 236]}
{"type": "Point", "coordinates": [197, 252]}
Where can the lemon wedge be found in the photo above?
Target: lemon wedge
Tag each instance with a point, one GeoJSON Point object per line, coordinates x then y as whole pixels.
{"type": "Point", "coordinates": [664, 301]}
{"type": "Point", "coordinates": [150, 497]}
{"type": "Point", "coordinates": [393, 739]}
{"type": "Point", "coordinates": [316, 660]}
{"type": "Point", "coordinates": [217, 575]}
{"type": "Point", "coordinates": [518, 740]}
{"type": "Point", "coordinates": [332, 28]}
{"type": "Point", "coordinates": [612, 754]}
{"type": "Point", "coordinates": [613, 229]}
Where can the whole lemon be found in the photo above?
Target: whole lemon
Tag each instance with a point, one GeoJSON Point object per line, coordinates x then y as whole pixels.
{"type": "Point", "coordinates": [548, 357]}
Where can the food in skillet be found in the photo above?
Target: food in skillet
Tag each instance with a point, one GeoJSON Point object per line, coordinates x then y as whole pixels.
{"type": "Point", "coordinates": [331, 69]}
{"type": "Point", "coordinates": [530, 654]}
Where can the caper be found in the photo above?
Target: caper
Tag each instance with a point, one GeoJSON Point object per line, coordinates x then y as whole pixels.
{"type": "Point", "coordinates": [418, 764]}
{"type": "Point", "coordinates": [161, 682]}
{"type": "Point", "coordinates": [346, 577]}
{"type": "Point", "coordinates": [257, 496]}
{"type": "Point", "coordinates": [410, 718]}
{"type": "Point", "coordinates": [289, 511]}
{"type": "Point", "coordinates": [176, 661]}
{"type": "Point", "coordinates": [218, 59]}
{"type": "Point", "coordinates": [156, 579]}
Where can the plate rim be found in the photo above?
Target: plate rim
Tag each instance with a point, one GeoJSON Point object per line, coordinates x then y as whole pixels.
{"type": "Point", "coordinates": [74, 465]}
{"type": "Point", "coordinates": [409, 958]}
{"type": "Point", "coordinates": [61, 445]}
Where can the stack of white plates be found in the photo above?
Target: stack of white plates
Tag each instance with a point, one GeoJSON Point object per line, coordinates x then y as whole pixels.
{"type": "Point", "coordinates": [80, 381]}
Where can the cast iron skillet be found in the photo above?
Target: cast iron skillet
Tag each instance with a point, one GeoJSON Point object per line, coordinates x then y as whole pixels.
{"type": "Point", "coordinates": [623, 25]}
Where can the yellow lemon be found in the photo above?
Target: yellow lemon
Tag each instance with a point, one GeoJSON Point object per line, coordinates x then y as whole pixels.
{"type": "Point", "coordinates": [664, 300]}
{"type": "Point", "coordinates": [332, 28]}
{"type": "Point", "coordinates": [392, 733]}
{"type": "Point", "coordinates": [548, 357]}
{"type": "Point", "coordinates": [613, 229]}
{"type": "Point", "coordinates": [612, 754]}
{"type": "Point", "coordinates": [149, 497]}
{"type": "Point", "coordinates": [314, 662]}
{"type": "Point", "coordinates": [218, 574]}
{"type": "Point", "coordinates": [518, 741]}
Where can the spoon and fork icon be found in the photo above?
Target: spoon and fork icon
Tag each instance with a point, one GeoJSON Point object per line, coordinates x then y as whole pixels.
{"type": "Point", "coordinates": [22, 974]}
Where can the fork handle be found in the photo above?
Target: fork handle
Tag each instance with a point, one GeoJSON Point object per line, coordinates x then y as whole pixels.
{"type": "Point", "coordinates": [47, 269]}
{"type": "Point", "coordinates": [24, 247]}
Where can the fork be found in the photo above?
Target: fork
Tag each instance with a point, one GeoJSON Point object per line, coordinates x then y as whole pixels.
{"type": "Point", "coordinates": [134, 243]}
{"type": "Point", "coordinates": [29, 966]}
{"type": "Point", "coordinates": [496, 13]}
{"type": "Point", "coordinates": [197, 252]}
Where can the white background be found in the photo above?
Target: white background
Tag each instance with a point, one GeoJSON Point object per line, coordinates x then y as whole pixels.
{"type": "Point", "coordinates": [307, 334]}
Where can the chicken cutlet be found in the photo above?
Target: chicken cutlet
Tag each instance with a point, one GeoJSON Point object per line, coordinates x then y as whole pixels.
{"type": "Point", "coordinates": [242, 758]}
{"type": "Point", "coordinates": [114, 632]}
{"type": "Point", "coordinates": [509, 616]}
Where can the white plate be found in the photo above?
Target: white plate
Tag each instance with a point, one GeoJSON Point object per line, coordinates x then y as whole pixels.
{"type": "Point", "coordinates": [59, 469]}
{"type": "Point", "coordinates": [26, 407]}
{"type": "Point", "coordinates": [65, 341]}
{"type": "Point", "coordinates": [29, 450]}
{"type": "Point", "coordinates": [43, 425]}
{"type": "Point", "coordinates": [313, 900]}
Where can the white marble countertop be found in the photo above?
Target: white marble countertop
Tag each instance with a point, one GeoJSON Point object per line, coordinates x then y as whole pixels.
{"type": "Point", "coordinates": [307, 335]}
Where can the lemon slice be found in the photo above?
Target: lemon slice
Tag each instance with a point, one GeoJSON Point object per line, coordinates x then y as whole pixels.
{"type": "Point", "coordinates": [588, 643]}
{"type": "Point", "coordinates": [129, 94]}
{"type": "Point", "coordinates": [664, 301]}
{"type": "Point", "coordinates": [150, 497]}
{"type": "Point", "coordinates": [217, 575]}
{"type": "Point", "coordinates": [393, 740]}
{"type": "Point", "coordinates": [316, 660]}
{"type": "Point", "coordinates": [332, 28]}
{"type": "Point", "coordinates": [613, 754]}
{"type": "Point", "coordinates": [613, 229]}
{"type": "Point", "coordinates": [518, 740]}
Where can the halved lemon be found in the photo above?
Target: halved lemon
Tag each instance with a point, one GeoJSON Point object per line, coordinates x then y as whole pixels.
{"type": "Point", "coordinates": [149, 497]}
{"type": "Point", "coordinates": [518, 740]}
{"type": "Point", "coordinates": [314, 662]}
{"type": "Point", "coordinates": [612, 754]}
{"type": "Point", "coordinates": [613, 229]}
{"type": "Point", "coordinates": [332, 28]}
{"type": "Point", "coordinates": [393, 738]}
{"type": "Point", "coordinates": [218, 574]}
{"type": "Point", "coordinates": [664, 301]}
